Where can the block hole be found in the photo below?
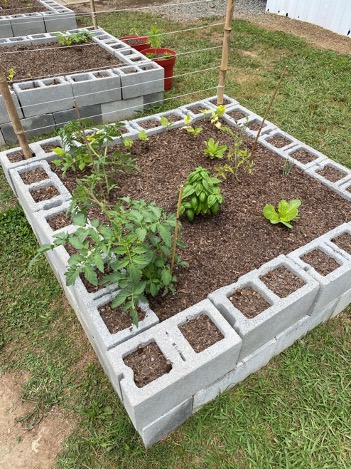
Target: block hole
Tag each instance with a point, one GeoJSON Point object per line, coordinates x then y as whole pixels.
{"type": "Point", "coordinates": [320, 261]}
{"type": "Point", "coordinates": [44, 193]}
{"type": "Point", "coordinates": [343, 241]}
{"type": "Point", "coordinates": [148, 364]}
{"type": "Point", "coordinates": [249, 302]}
{"type": "Point", "coordinates": [303, 156]}
{"type": "Point", "coordinates": [279, 141]}
{"type": "Point", "coordinates": [331, 173]}
{"type": "Point", "coordinates": [34, 175]}
{"type": "Point", "coordinates": [200, 332]}
{"type": "Point", "coordinates": [282, 281]}
{"type": "Point", "coordinates": [237, 115]}
{"type": "Point", "coordinates": [115, 319]}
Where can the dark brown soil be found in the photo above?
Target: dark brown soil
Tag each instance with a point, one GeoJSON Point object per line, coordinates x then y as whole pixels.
{"type": "Point", "coordinates": [279, 141]}
{"type": "Point", "coordinates": [93, 288]}
{"type": "Point", "coordinates": [282, 281]}
{"type": "Point", "coordinates": [320, 261]}
{"type": "Point", "coordinates": [201, 333]}
{"type": "Point", "coordinates": [150, 124]}
{"type": "Point", "coordinates": [16, 156]}
{"type": "Point", "coordinates": [303, 156]}
{"type": "Point", "coordinates": [16, 7]}
{"type": "Point", "coordinates": [59, 221]}
{"type": "Point", "coordinates": [116, 320]}
{"type": "Point", "coordinates": [48, 148]}
{"type": "Point", "coordinates": [238, 239]}
{"type": "Point", "coordinates": [45, 193]}
{"type": "Point", "coordinates": [53, 59]}
{"type": "Point", "coordinates": [249, 302]}
{"type": "Point", "coordinates": [148, 364]}
{"type": "Point", "coordinates": [197, 109]}
{"type": "Point", "coordinates": [236, 115]}
{"type": "Point", "coordinates": [34, 175]}
{"type": "Point", "coordinates": [344, 242]}
{"type": "Point", "coordinates": [255, 126]}
{"type": "Point", "coordinates": [331, 173]}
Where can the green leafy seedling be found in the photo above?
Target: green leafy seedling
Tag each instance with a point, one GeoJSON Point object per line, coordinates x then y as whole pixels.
{"type": "Point", "coordinates": [287, 211]}
{"type": "Point", "coordinates": [194, 131]}
{"type": "Point", "coordinates": [214, 149]}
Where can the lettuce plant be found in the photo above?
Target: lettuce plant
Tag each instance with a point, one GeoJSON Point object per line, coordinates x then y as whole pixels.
{"type": "Point", "coordinates": [287, 211]}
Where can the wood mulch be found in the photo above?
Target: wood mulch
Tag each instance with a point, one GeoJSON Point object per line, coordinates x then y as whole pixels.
{"type": "Point", "coordinates": [201, 333]}
{"type": "Point", "coordinates": [238, 239]}
{"type": "Point", "coordinates": [344, 242]}
{"type": "Point", "coordinates": [282, 281]}
{"type": "Point", "coordinates": [320, 261]}
{"type": "Point", "coordinates": [249, 302]}
{"type": "Point", "coordinates": [19, 7]}
{"type": "Point", "coordinates": [44, 193]}
{"type": "Point", "coordinates": [34, 175]}
{"type": "Point", "coordinates": [331, 173]}
{"type": "Point", "coordinates": [49, 60]}
{"type": "Point", "coordinates": [116, 319]}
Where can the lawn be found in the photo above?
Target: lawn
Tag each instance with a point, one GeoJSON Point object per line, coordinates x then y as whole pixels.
{"type": "Point", "coordinates": [295, 413]}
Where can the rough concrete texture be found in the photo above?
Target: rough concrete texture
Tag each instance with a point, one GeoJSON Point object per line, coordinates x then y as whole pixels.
{"type": "Point", "coordinates": [282, 313]}
{"type": "Point", "coordinates": [138, 123]}
{"type": "Point", "coordinates": [333, 285]}
{"type": "Point", "coordinates": [338, 186]}
{"type": "Point", "coordinates": [316, 156]}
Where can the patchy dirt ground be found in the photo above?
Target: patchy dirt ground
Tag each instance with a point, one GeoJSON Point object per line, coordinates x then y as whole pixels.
{"type": "Point", "coordinates": [27, 449]}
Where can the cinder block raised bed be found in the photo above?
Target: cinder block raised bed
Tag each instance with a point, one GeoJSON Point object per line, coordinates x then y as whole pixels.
{"type": "Point", "coordinates": [54, 17]}
{"type": "Point", "coordinates": [190, 377]}
{"type": "Point", "coordinates": [104, 95]}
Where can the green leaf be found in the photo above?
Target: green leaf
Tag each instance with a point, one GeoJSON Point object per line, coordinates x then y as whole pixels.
{"type": "Point", "coordinates": [134, 272]}
{"type": "Point", "coordinates": [166, 277]}
{"type": "Point", "coordinates": [98, 261]}
{"type": "Point", "coordinates": [79, 219]}
{"type": "Point", "coordinates": [270, 213]}
{"type": "Point", "coordinates": [141, 233]}
{"type": "Point", "coordinates": [120, 298]}
{"type": "Point", "coordinates": [165, 235]}
{"type": "Point", "coordinates": [90, 275]}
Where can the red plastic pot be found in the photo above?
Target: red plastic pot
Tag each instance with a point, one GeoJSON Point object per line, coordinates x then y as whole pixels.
{"type": "Point", "coordinates": [137, 42]}
{"type": "Point", "coordinates": [166, 58]}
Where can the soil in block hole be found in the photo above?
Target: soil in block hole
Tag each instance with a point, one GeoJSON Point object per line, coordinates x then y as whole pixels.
{"type": "Point", "coordinates": [201, 333]}
{"type": "Point", "coordinates": [249, 302]}
{"type": "Point", "coordinates": [59, 221]}
{"type": "Point", "coordinates": [282, 281]}
{"type": "Point", "coordinates": [278, 141]}
{"type": "Point", "coordinates": [332, 174]}
{"type": "Point", "coordinates": [236, 115]}
{"type": "Point", "coordinates": [303, 156]}
{"type": "Point", "coordinates": [45, 193]}
{"type": "Point", "coordinates": [148, 363]}
{"type": "Point", "coordinates": [344, 242]}
{"type": "Point", "coordinates": [34, 175]}
{"type": "Point", "coordinates": [116, 319]}
{"type": "Point", "coordinates": [320, 261]}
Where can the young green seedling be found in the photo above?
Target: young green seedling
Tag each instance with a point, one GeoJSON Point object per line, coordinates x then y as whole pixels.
{"type": "Point", "coordinates": [287, 211]}
{"type": "Point", "coordinates": [214, 149]}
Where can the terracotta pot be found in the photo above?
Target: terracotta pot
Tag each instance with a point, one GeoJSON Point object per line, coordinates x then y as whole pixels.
{"type": "Point", "coordinates": [167, 62]}
{"type": "Point", "coordinates": [137, 42]}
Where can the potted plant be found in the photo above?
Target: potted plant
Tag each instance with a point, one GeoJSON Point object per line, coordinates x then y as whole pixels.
{"type": "Point", "coordinates": [137, 42]}
{"type": "Point", "coordinates": [162, 56]}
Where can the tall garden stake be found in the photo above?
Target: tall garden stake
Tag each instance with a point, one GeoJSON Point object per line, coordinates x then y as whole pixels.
{"type": "Point", "coordinates": [266, 113]}
{"type": "Point", "coordinates": [225, 51]}
{"type": "Point", "coordinates": [93, 14]}
{"type": "Point", "coordinates": [176, 227]}
{"type": "Point", "coordinates": [13, 115]}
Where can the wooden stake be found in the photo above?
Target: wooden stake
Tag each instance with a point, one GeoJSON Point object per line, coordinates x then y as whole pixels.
{"type": "Point", "coordinates": [225, 51]}
{"type": "Point", "coordinates": [93, 15]}
{"type": "Point", "coordinates": [176, 227]}
{"type": "Point", "coordinates": [266, 113]}
{"type": "Point", "coordinates": [13, 115]}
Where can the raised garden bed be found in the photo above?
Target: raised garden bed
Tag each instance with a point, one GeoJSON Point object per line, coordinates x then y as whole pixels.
{"type": "Point", "coordinates": [20, 18]}
{"type": "Point", "coordinates": [266, 285]}
{"type": "Point", "coordinates": [47, 77]}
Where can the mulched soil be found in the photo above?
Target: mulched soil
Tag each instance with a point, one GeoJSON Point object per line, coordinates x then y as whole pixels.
{"type": "Point", "coordinates": [249, 302]}
{"type": "Point", "coordinates": [282, 281]}
{"type": "Point", "coordinates": [45, 193]}
{"type": "Point", "coordinates": [148, 364]}
{"type": "Point", "coordinates": [48, 147]}
{"type": "Point", "coordinates": [236, 115]}
{"type": "Point", "coordinates": [344, 242]}
{"type": "Point", "coordinates": [16, 7]}
{"type": "Point", "coordinates": [116, 319]}
{"type": "Point", "coordinates": [53, 60]}
{"type": "Point", "coordinates": [331, 173]}
{"type": "Point", "coordinates": [16, 156]}
{"type": "Point", "coordinates": [303, 156]}
{"type": "Point", "coordinates": [238, 239]}
{"type": "Point", "coordinates": [59, 221]}
{"type": "Point", "coordinates": [34, 175]}
{"type": "Point", "coordinates": [279, 141]}
{"type": "Point", "coordinates": [201, 333]}
{"type": "Point", "coordinates": [320, 261]}
{"type": "Point", "coordinates": [254, 126]}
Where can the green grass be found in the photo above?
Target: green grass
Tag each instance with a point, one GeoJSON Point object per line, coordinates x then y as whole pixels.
{"type": "Point", "coordinates": [295, 413]}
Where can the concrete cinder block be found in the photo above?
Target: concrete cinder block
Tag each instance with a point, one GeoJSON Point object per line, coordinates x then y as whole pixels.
{"type": "Point", "coordinates": [43, 230]}
{"type": "Point", "coordinates": [59, 21]}
{"type": "Point", "coordinates": [153, 99]}
{"type": "Point", "coordinates": [95, 87]}
{"type": "Point", "coordinates": [244, 368]}
{"type": "Point", "coordinates": [266, 139]}
{"type": "Point", "coordinates": [162, 426]}
{"type": "Point", "coordinates": [92, 113]}
{"type": "Point", "coordinates": [33, 126]}
{"type": "Point", "coordinates": [44, 96]}
{"type": "Point", "coordinates": [15, 41]}
{"type": "Point", "coordinates": [2, 140]}
{"type": "Point", "coordinates": [5, 27]}
{"type": "Point", "coordinates": [42, 38]}
{"type": "Point", "coordinates": [23, 191]}
{"type": "Point", "coordinates": [338, 186]}
{"type": "Point", "coordinates": [4, 117]}
{"type": "Point", "coordinates": [197, 109]}
{"type": "Point", "coordinates": [315, 156]}
{"type": "Point", "coordinates": [116, 111]}
{"type": "Point", "coordinates": [141, 80]}
{"type": "Point", "coordinates": [343, 302]}
{"type": "Point", "coordinates": [174, 124]}
{"type": "Point", "coordinates": [190, 371]}
{"type": "Point", "coordinates": [228, 102]}
{"type": "Point", "coordinates": [333, 285]}
{"type": "Point", "coordinates": [28, 23]}
{"type": "Point", "coordinates": [282, 313]}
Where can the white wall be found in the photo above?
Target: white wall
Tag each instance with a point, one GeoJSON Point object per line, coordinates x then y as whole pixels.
{"type": "Point", "coordinates": [330, 14]}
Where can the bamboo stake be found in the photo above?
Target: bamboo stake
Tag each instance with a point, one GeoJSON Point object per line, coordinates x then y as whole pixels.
{"type": "Point", "coordinates": [225, 51]}
{"type": "Point", "coordinates": [175, 238]}
{"type": "Point", "coordinates": [93, 15]}
{"type": "Point", "coordinates": [266, 113]}
{"type": "Point", "coordinates": [13, 115]}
